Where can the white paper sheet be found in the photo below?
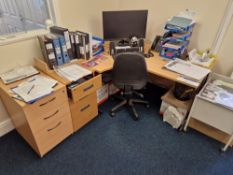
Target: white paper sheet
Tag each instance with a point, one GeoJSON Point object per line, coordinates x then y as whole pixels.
{"type": "Point", "coordinates": [73, 72]}
{"type": "Point", "coordinates": [18, 74]}
{"type": "Point", "coordinates": [187, 69]}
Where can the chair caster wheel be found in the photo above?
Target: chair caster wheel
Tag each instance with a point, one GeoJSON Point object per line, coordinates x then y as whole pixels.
{"type": "Point", "coordinates": [221, 150]}
{"type": "Point", "coordinates": [147, 106]}
{"type": "Point", "coordinates": [136, 118]}
{"type": "Point", "coordinates": [112, 114]}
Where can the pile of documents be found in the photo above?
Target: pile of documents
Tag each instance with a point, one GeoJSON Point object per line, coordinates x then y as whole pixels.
{"type": "Point", "coordinates": [188, 70]}
{"type": "Point", "coordinates": [179, 23]}
{"type": "Point", "coordinates": [72, 72]}
{"type": "Point", "coordinates": [18, 74]}
{"type": "Point", "coordinates": [95, 61]}
{"type": "Point", "coordinates": [176, 39]}
{"type": "Point", "coordinates": [34, 88]}
{"type": "Point", "coordinates": [219, 92]}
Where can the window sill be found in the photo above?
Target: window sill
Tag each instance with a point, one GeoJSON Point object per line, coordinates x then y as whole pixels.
{"type": "Point", "coordinates": [21, 36]}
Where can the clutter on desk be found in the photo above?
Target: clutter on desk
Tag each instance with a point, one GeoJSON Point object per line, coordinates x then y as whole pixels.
{"type": "Point", "coordinates": [18, 73]}
{"type": "Point", "coordinates": [62, 46]}
{"type": "Point", "coordinates": [95, 61]}
{"type": "Point", "coordinates": [177, 36]}
{"type": "Point", "coordinates": [97, 46]}
{"type": "Point", "coordinates": [174, 110]}
{"type": "Point", "coordinates": [204, 59]}
{"type": "Point", "coordinates": [34, 88]}
{"type": "Point", "coordinates": [220, 92]}
{"type": "Point", "coordinates": [72, 72]}
{"type": "Point", "coordinates": [188, 70]}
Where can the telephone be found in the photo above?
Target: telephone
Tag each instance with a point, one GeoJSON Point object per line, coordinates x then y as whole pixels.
{"type": "Point", "coordinates": [155, 46]}
{"type": "Point", "coordinates": [159, 41]}
{"type": "Point", "coordinates": [156, 43]}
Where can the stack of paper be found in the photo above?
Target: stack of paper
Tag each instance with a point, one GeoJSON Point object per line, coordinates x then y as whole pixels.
{"type": "Point", "coordinates": [218, 93]}
{"type": "Point", "coordinates": [188, 69]}
{"type": "Point", "coordinates": [18, 74]}
{"type": "Point", "coordinates": [179, 23]}
{"type": "Point", "coordinates": [73, 72]}
{"type": "Point", "coordinates": [34, 88]}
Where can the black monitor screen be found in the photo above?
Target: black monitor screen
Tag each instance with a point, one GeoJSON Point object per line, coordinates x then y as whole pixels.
{"type": "Point", "coordinates": [124, 24]}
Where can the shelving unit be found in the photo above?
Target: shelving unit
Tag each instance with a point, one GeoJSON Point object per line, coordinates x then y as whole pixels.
{"type": "Point", "coordinates": [177, 42]}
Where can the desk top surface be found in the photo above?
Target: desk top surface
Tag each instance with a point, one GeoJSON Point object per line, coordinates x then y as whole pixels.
{"type": "Point", "coordinates": [155, 65]}
{"type": "Point", "coordinates": [6, 89]}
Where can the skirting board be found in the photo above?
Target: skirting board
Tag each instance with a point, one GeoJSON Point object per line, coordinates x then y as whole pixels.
{"type": "Point", "coordinates": [5, 127]}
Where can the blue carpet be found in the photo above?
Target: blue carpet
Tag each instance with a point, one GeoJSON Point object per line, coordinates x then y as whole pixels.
{"type": "Point", "coordinates": [120, 146]}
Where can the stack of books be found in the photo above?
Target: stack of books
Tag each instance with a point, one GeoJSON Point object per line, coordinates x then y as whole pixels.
{"type": "Point", "coordinates": [179, 30]}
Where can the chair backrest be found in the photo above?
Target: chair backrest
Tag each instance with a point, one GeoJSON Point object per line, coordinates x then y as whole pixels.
{"type": "Point", "coordinates": [129, 70]}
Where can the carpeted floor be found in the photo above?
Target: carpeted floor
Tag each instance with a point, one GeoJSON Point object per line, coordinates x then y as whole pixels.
{"type": "Point", "coordinates": [120, 146]}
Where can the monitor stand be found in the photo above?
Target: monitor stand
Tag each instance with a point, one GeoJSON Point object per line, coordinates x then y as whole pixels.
{"type": "Point", "coordinates": [123, 42]}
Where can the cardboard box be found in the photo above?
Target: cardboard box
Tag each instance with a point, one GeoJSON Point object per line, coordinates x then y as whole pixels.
{"type": "Point", "coordinates": [173, 110]}
{"type": "Point", "coordinates": [169, 100]}
{"type": "Point", "coordinates": [112, 89]}
{"type": "Point", "coordinates": [102, 94]}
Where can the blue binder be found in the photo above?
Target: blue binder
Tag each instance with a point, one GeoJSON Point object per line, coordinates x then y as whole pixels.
{"type": "Point", "coordinates": [64, 52]}
{"type": "Point", "coordinates": [57, 49]}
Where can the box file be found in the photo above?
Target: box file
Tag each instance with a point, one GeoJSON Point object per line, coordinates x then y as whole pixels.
{"type": "Point", "coordinates": [47, 51]}
{"type": "Point", "coordinates": [65, 33]}
{"type": "Point", "coordinates": [73, 44]}
{"type": "Point", "coordinates": [85, 44]}
{"type": "Point", "coordinates": [57, 49]}
{"type": "Point", "coordinates": [78, 43]}
{"type": "Point", "coordinates": [65, 55]}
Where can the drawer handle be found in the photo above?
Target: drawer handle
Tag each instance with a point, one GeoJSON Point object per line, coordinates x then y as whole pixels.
{"type": "Point", "coordinates": [84, 108]}
{"type": "Point", "coordinates": [47, 101]}
{"type": "Point", "coordinates": [59, 123]}
{"type": "Point", "coordinates": [51, 115]}
{"type": "Point", "coordinates": [88, 87]}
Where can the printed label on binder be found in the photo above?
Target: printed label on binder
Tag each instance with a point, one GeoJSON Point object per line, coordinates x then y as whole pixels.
{"type": "Point", "coordinates": [67, 38]}
{"type": "Point", "coordinates": [76, 39]}
{"type": "Point", "coordinates": [58, 50]}
{"type": "Point", "coordinates": [64, 48]}
{"type": "Point", "coordinates": [51, 56]}
{"type": "Point", "coordinates": [49, 46]}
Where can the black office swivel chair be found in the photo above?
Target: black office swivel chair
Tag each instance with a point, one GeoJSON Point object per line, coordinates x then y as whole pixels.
{"type": "Point", "coordinates": [129, 74]}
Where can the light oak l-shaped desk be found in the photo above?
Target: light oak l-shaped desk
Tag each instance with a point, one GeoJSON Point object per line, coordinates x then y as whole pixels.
{"type": "Point", "coordinates": [155, 68]}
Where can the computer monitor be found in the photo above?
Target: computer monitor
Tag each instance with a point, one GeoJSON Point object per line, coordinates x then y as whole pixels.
{"type": "Point", "coordinates": [118, 25]}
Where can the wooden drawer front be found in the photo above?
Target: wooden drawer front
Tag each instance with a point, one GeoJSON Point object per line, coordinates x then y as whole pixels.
{"type": "Point", "coordinates": [43, 106]}
{"type": "Point", "coordinates": [84, 111]}
{"type": "Point", "coordinates": [213, 115]}
{"type": "Point", "coordinates": [39, 122]}
{"type": "Point", "coordinates": [54, 133]}
{"type": "Point", "coordinates": [86, 88]}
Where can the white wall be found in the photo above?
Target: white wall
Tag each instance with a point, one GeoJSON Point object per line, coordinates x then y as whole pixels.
{"type": "Point", "coordinates": [208, 15]}
{"type": "Point", "coordinates": [84, 15]}
{"type": "Point", "coordinates": [225, 57]}
{"type": "Point", "coordinates": [12, 55]}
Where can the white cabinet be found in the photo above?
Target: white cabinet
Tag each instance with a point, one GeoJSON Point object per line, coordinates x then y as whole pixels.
{"type": "Point", "coordinates": [213, 114]}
